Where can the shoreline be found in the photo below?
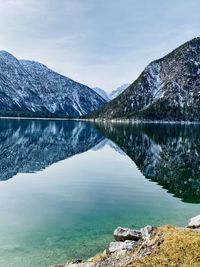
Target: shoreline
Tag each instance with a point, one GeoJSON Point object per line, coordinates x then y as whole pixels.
{"type": "Point", "coordinates": [120, 121]}
{"type": "Point", "coordinates": [149, 246]}
{"type": "Point", "coordinates": [132, 121]}
{"type": "Point", "coordinates": [35, 118]}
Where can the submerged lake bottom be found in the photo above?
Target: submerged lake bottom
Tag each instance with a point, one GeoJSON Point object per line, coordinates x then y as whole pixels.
{"type": "Point", "coordinates": [66, 185]}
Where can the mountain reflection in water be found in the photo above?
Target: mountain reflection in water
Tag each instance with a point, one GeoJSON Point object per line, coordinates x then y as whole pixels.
{"type": "Point", "coordinates": [166, 154]}
{"type": "Point", "coordinates": [30, 146]}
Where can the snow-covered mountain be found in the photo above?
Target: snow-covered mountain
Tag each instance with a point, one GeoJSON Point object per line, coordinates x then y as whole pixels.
{"type": "Point", "coordinates": [118, 91]}
{"type": "Point", "coordinates": [102, 93]}
{"type": "Point", "coordinates": [32, 88]}
{"type": "Point", "coordinates": [168, 89]}
{"type": "Point", "coordinates": [113, 94]}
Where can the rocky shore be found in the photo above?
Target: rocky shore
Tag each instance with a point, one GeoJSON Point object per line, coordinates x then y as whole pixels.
{"type": "Point", "coordinates": [149, 247]}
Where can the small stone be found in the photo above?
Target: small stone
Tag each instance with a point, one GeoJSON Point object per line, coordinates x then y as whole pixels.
{"type": "Point", "coordinates": [81, 264]}
{"type": "Point", "coordinates": [129, 245]}
{"type": "Point", "coordinates": [122, 234]}
{"type": "Point", "coordinates": [194, 222]}
{"type": "Point", "coordinates": [147, 232]}
{"type": "Point", "coordinates": [76, 261]}
{"type": "Point", "coordinates": [120, 246]}
{"type": "Point", "coordinates": [115, 246]}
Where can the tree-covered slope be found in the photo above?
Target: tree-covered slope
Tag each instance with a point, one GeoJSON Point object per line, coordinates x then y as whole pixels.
{"type": "Point", "coordinates": [167, 89]}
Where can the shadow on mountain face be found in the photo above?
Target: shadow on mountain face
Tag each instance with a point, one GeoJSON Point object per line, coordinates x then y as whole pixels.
{"type": "Point", "coordinates": [166, 154]}
{"type": "Point", "coordinates": [30, 146]}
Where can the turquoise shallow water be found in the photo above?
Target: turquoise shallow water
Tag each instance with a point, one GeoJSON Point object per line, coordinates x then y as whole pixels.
{"type": "Point", "coordinates": [65, 186]}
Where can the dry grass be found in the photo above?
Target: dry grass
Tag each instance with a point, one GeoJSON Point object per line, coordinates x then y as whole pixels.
{"type": "Point", "coordinates": [172, 248]}
{"type": "Point", "coordinates": [99, 257]}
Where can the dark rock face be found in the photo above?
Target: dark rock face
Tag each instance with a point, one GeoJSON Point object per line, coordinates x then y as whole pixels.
{"type": "Point", "coordinates": [123, 234]}
{"type": "Point", "coordinates": [30, 87]}
{"type": "Point", "coordinates": [168, 89]}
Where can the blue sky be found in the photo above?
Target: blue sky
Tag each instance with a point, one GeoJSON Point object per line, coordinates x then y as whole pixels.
{"type": "Point", "coordinates": [102, 43]}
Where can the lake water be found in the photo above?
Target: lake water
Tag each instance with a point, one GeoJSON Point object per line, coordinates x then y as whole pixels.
{"type": "Point", "coordinates": [65, 185]}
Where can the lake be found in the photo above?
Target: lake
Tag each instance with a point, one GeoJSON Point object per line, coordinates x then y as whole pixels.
{"type": "Point", "coordinates": [66, 185]}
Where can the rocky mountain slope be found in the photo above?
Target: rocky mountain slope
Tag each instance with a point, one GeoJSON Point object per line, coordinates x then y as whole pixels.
{"type": "Point", "coordinates": [113, 94]}
{"type": "Point", "coordinates": [118, 91]}
{"type": "Point", "coordinates": [168, 89]}
{"type": "Point", "coordinates": [28, 87]}
{"type": "Point", "coordinates": [102, 93]}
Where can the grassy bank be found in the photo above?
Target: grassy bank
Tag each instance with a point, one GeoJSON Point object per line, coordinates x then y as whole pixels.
{"type": "Point", "coordinates": [166, 247]}
{"type": "Point", "coordinates": [172, 247]}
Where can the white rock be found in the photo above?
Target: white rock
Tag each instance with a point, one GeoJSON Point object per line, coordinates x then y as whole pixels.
{"type": "Point", "coordinates": [194, 222]}
{"type": "Point", "coordinates": [122, 234]}
{"type": "Point", "coordinates": [121, 246]}
{"type": "Point", "coordinates": [81, 264]}
{"type": "Point", "coordinates": [146, 232]}
{"type": "Point", "coordinates": [76, 263]}
{"type": "Point", "coordinates": [84, 264]}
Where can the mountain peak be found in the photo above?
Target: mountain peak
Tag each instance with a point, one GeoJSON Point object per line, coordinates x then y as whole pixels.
{"type": "Point", "coordinates": [118, 91]}
{"type": "Point", "coordinates": [168, 89]}
{"type": "Point", "coordinates": [28, 87]}
{"type": "Point", "coordinates": [194, 40]}
{"type": "Point", "coordinates": [111, 95]}
{"type": "Point", "coordinates": [7, 56]}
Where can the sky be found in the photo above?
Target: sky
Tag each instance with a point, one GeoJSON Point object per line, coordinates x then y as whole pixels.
{"type": "Point", "coordinates": [101, 43]}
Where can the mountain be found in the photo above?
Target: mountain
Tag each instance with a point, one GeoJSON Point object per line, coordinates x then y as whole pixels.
{"type": "Point", "coordinates": [118, 91]}
{"type": "Point", "coordinates": [113, 94]}
{"type": "Point", "coordinates": [28, 87]}
{"type": "Point", "coordinates": [102, 93]}
{"type": "Point", "coordinates": [167, 89]}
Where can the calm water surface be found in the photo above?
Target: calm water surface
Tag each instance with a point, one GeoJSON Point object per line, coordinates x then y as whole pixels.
{"type": "Point", "coordinates": [64, 186]}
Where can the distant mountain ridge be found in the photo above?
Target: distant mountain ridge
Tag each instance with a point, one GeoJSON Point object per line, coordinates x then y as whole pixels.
{"type": "Point", "coordinates": [168, 89]}
{"type": "Point", "coordinates": [102, 93]}
{"type": "Point", "coordinates": [118, 91]}
{"type": "Point", "coordinates": [113, 94]}
{"type": "Point", "coordinates": [29, 87]}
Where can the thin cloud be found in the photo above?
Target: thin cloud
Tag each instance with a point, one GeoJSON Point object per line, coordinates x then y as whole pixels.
{"type": "Point", "coordinates": [99, 43]}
